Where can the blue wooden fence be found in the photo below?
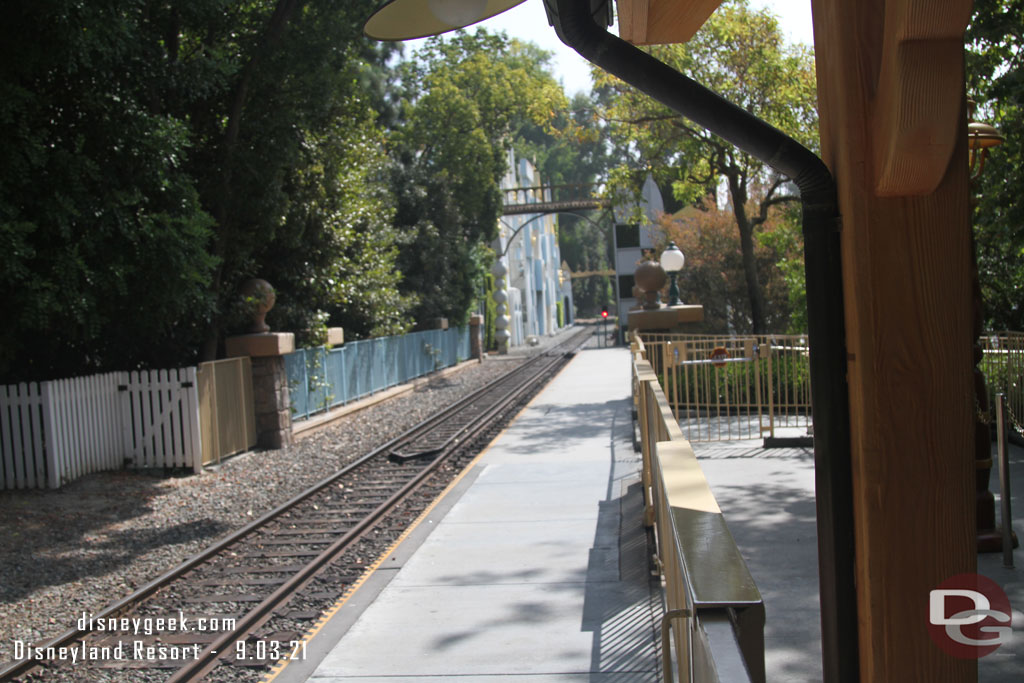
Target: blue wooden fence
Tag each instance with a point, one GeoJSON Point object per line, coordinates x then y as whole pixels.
{"type": "Point", "coordinates": [321, 378]}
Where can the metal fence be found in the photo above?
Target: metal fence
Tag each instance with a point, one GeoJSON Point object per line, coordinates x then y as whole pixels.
{"type": "Point", "coordinates": [1002, 363]}
{"type": "Point", "coordinates": [321, 378]}
{"type": "Point", "coordinates": [746, 387]}
{"type": "Point", "coordinates": [742, 387]}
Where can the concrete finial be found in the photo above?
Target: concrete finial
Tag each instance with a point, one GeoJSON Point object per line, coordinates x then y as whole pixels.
{"type": "Point", "coordinates": [650, 277]}
{"type": "Point", "coordinates": [259, 297]}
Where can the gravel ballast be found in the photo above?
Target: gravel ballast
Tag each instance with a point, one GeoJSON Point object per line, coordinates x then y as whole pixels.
{"type": "Point", "coordinates": [73, 551]}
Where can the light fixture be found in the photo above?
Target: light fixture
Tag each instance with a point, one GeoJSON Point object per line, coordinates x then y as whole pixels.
{"type": "Point", "coordinates": [672, 261]}
{"type": "Point", "coordinates": [409, 19]}
{"type": "Point", "coordinates": [981, 137]}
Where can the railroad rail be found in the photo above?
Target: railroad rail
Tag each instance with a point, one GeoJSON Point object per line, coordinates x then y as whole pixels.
{"type": "Point", "coordinates": [246, 602]}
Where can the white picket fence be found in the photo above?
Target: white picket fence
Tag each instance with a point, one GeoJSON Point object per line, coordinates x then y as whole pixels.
{"type": "Point", "coordinates": [51, 433]}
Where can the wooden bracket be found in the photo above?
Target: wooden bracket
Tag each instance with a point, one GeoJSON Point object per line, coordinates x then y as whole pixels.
{"type": "Point", "coordinates": [650, 22]}
{"type": "Point", "coordinates": [919, 97]}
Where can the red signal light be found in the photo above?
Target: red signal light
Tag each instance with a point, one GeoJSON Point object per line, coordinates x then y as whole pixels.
{"type": "Point", "coordinates": [604, 312]}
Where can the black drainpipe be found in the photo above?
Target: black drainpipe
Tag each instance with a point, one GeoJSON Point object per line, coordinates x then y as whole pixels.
{"type": "Point", "coordinates": [574, 22]}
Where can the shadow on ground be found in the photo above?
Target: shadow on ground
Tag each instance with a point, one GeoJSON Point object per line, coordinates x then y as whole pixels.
{"type": "Point", "coordinates": [768, 500]}
{"type": "Point", "coordinates": [54, 537]}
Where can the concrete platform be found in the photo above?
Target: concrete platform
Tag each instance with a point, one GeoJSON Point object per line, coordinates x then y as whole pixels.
{"type": "Point", "coordinates": [533, 568]}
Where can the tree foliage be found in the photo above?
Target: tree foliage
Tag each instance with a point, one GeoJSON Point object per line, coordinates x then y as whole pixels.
{"type": "Point", "coordinates": [467, 100]}
{"type": "Point", "coordinates": [338, 255]}
{"type": "Point", "coordinates": [713, 275]}
{"type": "Point", "coordinates": [996, 80]}
{"type": "Point", "coordinates": [277, 133]}
{"type": "Point", "coordinates": [155, 155]}
{"type": "Point", "coordinates": [742, 55]}
{"type": "Point", "coordinates": [103, 237]}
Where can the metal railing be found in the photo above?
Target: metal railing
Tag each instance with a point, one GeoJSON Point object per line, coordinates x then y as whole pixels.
{"type": "Point", "coordinates": [321, 378]}
{"type": "Point", "coordinates": [749, 386]}
{"type": "Point", "coordinates": [1002, 363]}
{"type": "Point", "coordinates": [713, 628]}
{"type": "Point", "coordinates": [741, 387]}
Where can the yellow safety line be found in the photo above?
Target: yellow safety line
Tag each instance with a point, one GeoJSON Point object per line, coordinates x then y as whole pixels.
{"type": "Point", "coordinates": [330, 612]}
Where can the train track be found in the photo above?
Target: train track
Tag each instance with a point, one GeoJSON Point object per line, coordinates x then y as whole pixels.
{"type": "Point", "coordinates": [244, 604]}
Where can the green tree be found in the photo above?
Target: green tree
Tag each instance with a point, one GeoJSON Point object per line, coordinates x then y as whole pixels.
{"type": "Point", "coordinates": [280, 80]}
{"type": "Point", "coordinates": [467, 99]}
{"type": "Point", "coordinates": [156, 155]}
{"type": "Point", "coordinates": [103, 259]}
{"type": "Point", "coordinates": [742, 55]}
{"type": "Point", "coordinates": [337, 259]}
{"type": "Point", "coordinates": [996, 80]}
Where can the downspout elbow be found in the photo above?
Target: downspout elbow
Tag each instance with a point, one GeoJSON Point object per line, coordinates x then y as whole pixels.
{"type": "Point", "coordinates": [574, 23]}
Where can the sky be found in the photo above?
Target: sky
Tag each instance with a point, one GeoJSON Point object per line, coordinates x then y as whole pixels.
{"type": "Point", "coordinates": [528, 22]}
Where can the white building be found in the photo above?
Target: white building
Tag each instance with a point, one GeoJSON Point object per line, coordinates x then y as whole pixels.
{"type": "Point", "coordinates": [539, 290]}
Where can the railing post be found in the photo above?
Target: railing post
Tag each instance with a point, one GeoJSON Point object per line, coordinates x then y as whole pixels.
{"type": "Point", "coordinates": [1004, 480]}
{"type": "Point", "coordinates": [771, 391]}
{"type": "Point", "coordinates": [757, 386]}
{"type": "Point", "coordinates": [664, 353]}
{"type": "Point", "coordinates": [644, 375]}
{"type": "Point", "coordinates": [646, 439]}
{"type": "Point", "coordinates": [687, 376]}
{"type": "Point", "coordinates": [686, 658]}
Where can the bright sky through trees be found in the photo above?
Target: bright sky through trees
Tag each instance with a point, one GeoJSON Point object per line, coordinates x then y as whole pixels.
{"type": "Point", "coordinates": [529, 22]}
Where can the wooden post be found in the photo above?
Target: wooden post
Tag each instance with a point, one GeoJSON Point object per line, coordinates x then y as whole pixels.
{"type": "Point", "coordinates": [893, 132]}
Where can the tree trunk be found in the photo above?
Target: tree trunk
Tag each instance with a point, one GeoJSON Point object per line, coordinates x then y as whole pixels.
{"type": "Point", "coordinates": [754, 294]}
{"type": "Point", "coordinates": [276, 26]}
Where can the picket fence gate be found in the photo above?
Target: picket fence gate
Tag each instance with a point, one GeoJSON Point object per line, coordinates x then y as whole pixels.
{"type": "Point", "coordinates": [53, 432]}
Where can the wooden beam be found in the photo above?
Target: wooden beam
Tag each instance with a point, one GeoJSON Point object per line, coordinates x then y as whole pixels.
{"type": "Point", "coordinates": [893, 131]}
{"type": "Point", "coordinates": [649, 22]}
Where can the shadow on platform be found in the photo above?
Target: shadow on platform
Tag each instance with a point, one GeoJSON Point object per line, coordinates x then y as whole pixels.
{"type": "Point", "coordinates": [767, 496]}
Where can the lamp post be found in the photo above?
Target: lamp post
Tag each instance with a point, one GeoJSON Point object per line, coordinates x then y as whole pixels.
{"type": "Point", "coordinates": [981, 137]}
{"type": "Point", "coordinates": [672, 261]}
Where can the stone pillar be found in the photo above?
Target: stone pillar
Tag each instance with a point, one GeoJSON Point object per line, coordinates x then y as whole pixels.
{"type": "Point", "coordinates": [668, 319]}
{"type": "Point", "coordinates": [269, 384]}
{"type": "Point", "coordinates": [335, 336]}
{"type": "Point", "coordinates": [476, 342]}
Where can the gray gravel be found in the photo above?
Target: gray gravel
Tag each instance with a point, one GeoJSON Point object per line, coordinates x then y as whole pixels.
{"type": "Point", "coordinates": [78, 549]}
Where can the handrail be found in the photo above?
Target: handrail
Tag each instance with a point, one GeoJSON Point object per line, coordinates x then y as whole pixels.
{"type": "Point", "coordinates": [714, 611]}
